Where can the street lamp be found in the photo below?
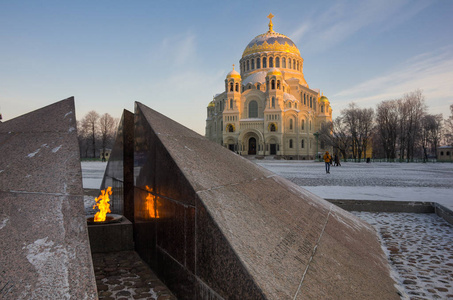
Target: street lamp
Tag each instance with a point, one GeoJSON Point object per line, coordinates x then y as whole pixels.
{"type": "Point", "coordinates": [316, 134]}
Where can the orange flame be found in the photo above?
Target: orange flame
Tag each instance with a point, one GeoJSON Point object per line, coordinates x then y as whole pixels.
{"type": "Point", "coordinates": [151, 205]}
{"type": "Point", "coordinates": [102, 202]}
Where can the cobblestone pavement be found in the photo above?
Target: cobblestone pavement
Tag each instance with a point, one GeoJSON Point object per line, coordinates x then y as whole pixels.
{"type": "Point", "coordinates": [124, 275]}
{"type": "Point", "coordinates": [420, 252]}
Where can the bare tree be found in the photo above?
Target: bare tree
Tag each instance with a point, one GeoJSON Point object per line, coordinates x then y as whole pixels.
{"type": "Point", "coordinates": [416, 109]}
{"type": "Point", "coordinates": [90, 124]}
{"type": "Point", "coordinates": [448, 128]}
{"type": "Point", "coordinates": [107, 126]}
{"type": "Point", "coordinates": [359, 122]}
{"type": "Point", "coordinates": [430, 134]}
{"type": "Point", "coordinates": [335, 134]}
{"type": "Point", "coordinates": [387, 126]}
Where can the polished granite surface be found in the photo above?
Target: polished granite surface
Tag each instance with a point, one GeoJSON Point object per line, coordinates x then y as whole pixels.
{"type": "Point", "coordinates": [216, 226]}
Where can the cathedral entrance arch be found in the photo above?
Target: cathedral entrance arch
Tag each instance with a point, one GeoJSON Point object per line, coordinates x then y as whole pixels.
{"type": "Point", "coordinates": [252, 142]}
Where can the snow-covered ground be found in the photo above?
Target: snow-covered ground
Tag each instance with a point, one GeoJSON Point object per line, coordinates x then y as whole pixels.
{"type": "Point", "coordinates": [92, 174]}
{"type": "Point", "coordinates": [419, 248]}
{"type": "Point", "coordinates": [430, 182]}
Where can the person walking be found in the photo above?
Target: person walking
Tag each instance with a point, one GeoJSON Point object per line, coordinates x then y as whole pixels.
{"type": "Point", "coordinates": [337, 160]}
{"type": "Point", "coordinates": [327, 158]}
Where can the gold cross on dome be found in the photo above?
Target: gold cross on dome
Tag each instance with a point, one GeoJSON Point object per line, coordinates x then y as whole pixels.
{"type": "Point", "coordinates": [270, 16]}
{"type": "Point", "coordinates": [233, 66]}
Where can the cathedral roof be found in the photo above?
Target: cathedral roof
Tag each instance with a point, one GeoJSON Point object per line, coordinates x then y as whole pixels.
{"type": "Point", "coordinates": [271, 41]}
{"type": "Point", "coordinates": [255, 77]}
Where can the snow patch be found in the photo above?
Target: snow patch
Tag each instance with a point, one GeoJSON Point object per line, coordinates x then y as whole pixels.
{"type": "Point", "coordinates": [67, 114]}
{"type": "Point", "coordinates": [54, 150]}
{"type": "Point", "coordinates": [30, 155]}
{"type": "Point", "coordinates": [71, 129]}
{"type": "Point", "coordinates": [51, 263]}
{"type": "Point", "coordinates": [3, 223]}
{"type": "Point", "coordinates": [188, 148]}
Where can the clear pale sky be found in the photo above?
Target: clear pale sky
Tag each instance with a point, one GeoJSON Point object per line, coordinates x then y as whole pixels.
{"type": "Point", "coordinates": [173, 56]}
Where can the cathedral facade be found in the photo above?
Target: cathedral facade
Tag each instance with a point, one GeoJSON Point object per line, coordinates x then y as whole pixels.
{"type": "Point", "coordinates": [268, 108]}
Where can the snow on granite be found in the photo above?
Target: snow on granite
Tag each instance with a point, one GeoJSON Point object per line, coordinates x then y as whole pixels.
{"type": "Point", "coordinates": [50, 262]}
{"type": "Point", "coordinates": [4, 222]}
{"type": "Point", "coordinates": [55, 150]}
{"type": "Point", "coordinates": [33, 153]}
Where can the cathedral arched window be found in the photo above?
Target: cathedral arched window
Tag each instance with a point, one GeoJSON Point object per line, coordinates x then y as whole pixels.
{"type": "Point", "coordinates": [305, 99]}
{"type": "Point", "coordinates": [290, 143]}
{"type": "Point", "coordinates": [283, 62]}
{"type": "Point", "coordinates": [253, 109]}
{"type": "Point", "coordinates": [303, 125]}
{"type": "Point", "coordinates": [322, 108]}
{"type": "Point", "coordinates": [277, 62]}
{"type": "Point", "coordinates": [290, 122]}
{"type": "Point", "coordinates": [289, 105]}
{"type": "Point", "coordinates": [231, 86]}
{"type": "Point", "coordinates": [264, 62]}
{"type": "Point", "coordinates": [295, 105]}
{"type": "Point", "coordinates": [273, 84]}
{"type": "Point", "coordinates": [289, 63]}
{"type": "Point", "coordinates": [248, 65]}
{"type": "Point", "coordinates": [237, 87]}
{"type": "Point", "coordinates": [253, 64]}
{"type": "Point", "coordinates": [258, 86]}
{"type": "Point", "coordinates": [271, 62]}
{"type": "Point", "coordinates": [231, 103]}
{"type": "Point", "coordinates": [311, 102]}
{"type": "Point", "coordinates": [302, 144]}
{"type": "Point", "coordinates": [230, 128]}
{"type": "Point", "coordinates": [258, 63]}
{"type": "Point", "coordinates": [273, 102]}
{"type": "Point", "coordinates": [272, 127]}
{"type": "Point", "coordinates": [298, 66]}
{"type": "Point", "coordinates": [278, 84]}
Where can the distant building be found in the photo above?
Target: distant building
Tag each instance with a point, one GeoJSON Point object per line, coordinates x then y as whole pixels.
{"type": "Point", "coordinates": [268, 108]}
{"type": "Point", "coordinates": [445, 153]}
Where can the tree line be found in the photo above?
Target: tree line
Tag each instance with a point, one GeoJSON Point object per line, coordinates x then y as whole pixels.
{"type": "Point", "coordinates": [398, 129]}
{"type": "Point", "coordinates": [96, 133]}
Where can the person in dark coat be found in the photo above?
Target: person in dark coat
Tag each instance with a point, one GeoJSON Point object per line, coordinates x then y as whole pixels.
{"type": "Point", "coordinates": [337, 161]}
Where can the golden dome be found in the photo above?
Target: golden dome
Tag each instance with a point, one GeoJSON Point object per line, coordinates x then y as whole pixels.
{"type": "Point", "coordinates": [274, 71]}
{"type": "Point", "coordinates": [234, 74]}
{"type": "Point", "coordinates": [323, 99]}
{"type": "Point", "coordinates": [271, 41]}
{"type": "Point", "coordinates": [211, 104]}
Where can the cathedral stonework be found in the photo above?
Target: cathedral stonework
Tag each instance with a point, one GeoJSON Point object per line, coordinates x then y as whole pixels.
{"type": "Point", "coordinates": [268, 108]}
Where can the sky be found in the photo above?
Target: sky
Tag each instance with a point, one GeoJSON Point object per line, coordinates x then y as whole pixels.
{"type": "Point", "coordinates": [173, 56]}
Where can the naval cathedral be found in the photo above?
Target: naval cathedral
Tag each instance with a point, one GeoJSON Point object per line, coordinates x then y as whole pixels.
{"type": "Point", "coordinates": [268, 108]}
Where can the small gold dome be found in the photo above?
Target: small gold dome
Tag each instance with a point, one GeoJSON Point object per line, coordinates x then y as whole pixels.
{"type": "Point", "coordinates": [234, 74]}
{"type": "Point", "coordinates": [211, 104]}
{"type": "Point", "coordinates": [323, 99]}
{"type": "Point", "coordinates": [274, 71]}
